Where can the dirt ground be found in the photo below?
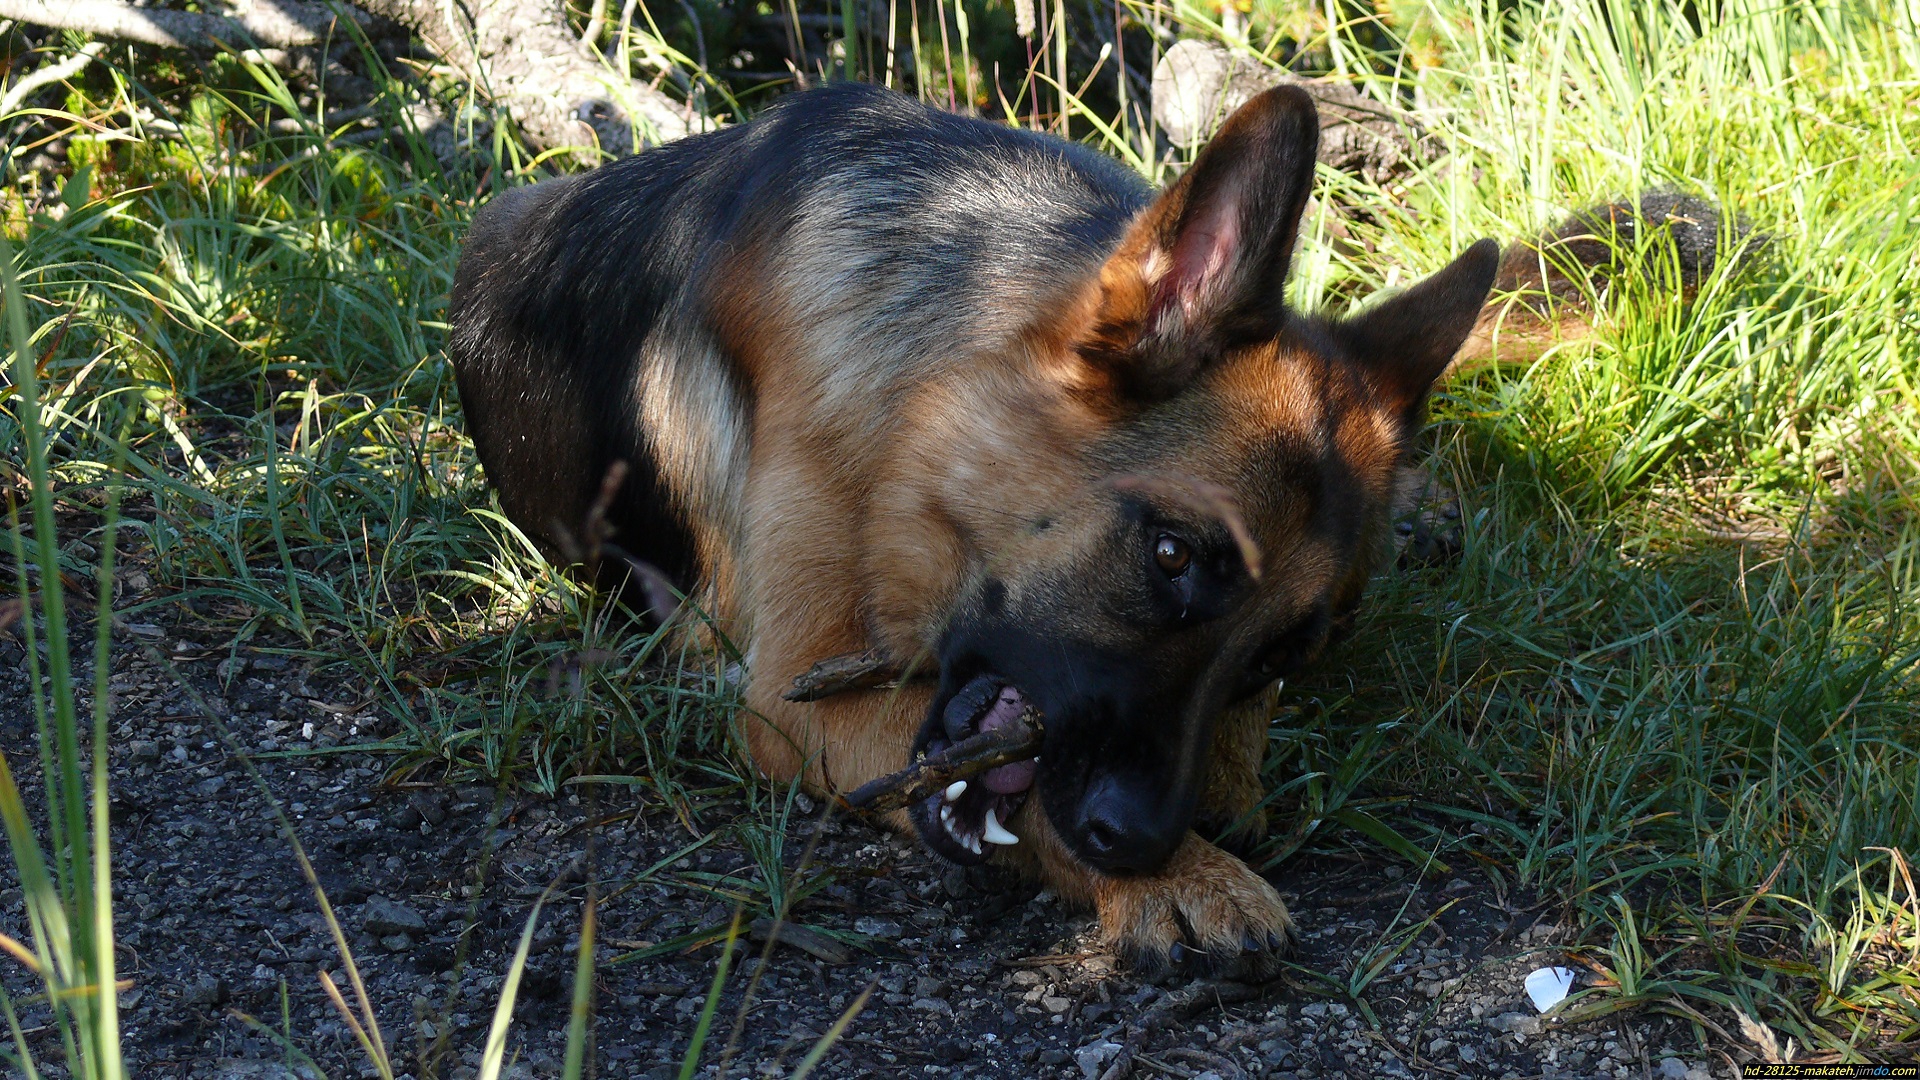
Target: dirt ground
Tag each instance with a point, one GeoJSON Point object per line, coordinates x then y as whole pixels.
{"type": "Point", "coordinates": [971, 975]}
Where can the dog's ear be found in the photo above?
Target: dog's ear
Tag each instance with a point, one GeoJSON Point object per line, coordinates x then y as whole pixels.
{"type": "Point", "coordinates": [1203, 268]}
{"type": "Point", "coordinates": [1404, 343]}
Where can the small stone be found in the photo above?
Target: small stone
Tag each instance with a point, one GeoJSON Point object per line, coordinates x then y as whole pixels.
{"type": "Point", "coordinates": [1469, 1055]}
{"type": "Point", "coordinates": [144, 750]}
{"type": "Point", "coordinates": [205, 993]}
{"type": "Point", "coordinates": [1093, 1057]}
{"type": "Point", "coordinates": [933, 1005]}
{"type": "Point", "coordinates": [1514, 1023]}
{"type": "Point", "coordinates": [928, 986]}
{"type": "Point", "coordinates": [875, 927]}
{"type": "Point", "coordinates": [396, 942]}
{"type": "Point", "coordinates": [1053, 1055]}
{"type": "Point", "coordinates": [1438, 1047]}
{"type": "Point", "coordinates": [383, 917]}
{"type": "Point", "coordinates": [1056, 1005]}
{"type": "Point", "coordinates": [235, 1069]}
{"type": "Point", "coordinates": [1672, 1068]}
{"type": "Point", "coordinates": [1027, 977]}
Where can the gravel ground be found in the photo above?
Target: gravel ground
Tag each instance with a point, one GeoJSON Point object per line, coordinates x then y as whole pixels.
{"type": "Point", "coordinates": [971, 975]}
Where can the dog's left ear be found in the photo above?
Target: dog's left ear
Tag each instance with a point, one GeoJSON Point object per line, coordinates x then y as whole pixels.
{"type": "Point", "coordinates": [1405, 343]}
{"type": "Point", "coordinates": [1203, 268]}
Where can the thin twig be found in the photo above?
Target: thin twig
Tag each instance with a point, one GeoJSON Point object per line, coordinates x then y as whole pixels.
{"type": "Point", "coordinates": [963, 760]}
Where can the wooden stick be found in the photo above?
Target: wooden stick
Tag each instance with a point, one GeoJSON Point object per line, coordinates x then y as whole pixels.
{"type": "Point", "coordinates": [963, 760]}
{"type": "Point", "coordinates": [869, 670]}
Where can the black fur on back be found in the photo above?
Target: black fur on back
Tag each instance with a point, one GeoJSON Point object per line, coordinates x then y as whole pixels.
{"type": "Point", "coordinates": [568, 290]}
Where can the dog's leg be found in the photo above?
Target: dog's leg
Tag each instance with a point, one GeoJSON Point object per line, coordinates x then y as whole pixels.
{"type": "Point", "coordinates": [835, 744]}
{"type": "Point", "coordinates": [1205, 911]}
{"type": "Point", "coordinates": [1230, 810]}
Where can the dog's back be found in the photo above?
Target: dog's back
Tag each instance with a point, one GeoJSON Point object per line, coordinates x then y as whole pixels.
{"type": "Point", "coordinates": [608, 315]}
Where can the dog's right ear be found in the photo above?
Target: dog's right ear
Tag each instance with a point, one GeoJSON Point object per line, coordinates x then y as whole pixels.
{"type": "Point", "coordinates": [1203, 268]}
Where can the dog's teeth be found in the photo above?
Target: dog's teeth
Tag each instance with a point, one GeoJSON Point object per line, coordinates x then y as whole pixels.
{"type": "Point", "coordinates": [996, 833]}
{"type": "Point", "coordinates": [973, 844]}
{"type": "Point", "coordinates": [956, 789]}
{"type": "Point", "coordinates": [946, 817]}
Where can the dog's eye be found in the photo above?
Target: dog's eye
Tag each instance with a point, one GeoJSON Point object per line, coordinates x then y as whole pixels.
{"type": "Point", "coordinates": [1172, 555]}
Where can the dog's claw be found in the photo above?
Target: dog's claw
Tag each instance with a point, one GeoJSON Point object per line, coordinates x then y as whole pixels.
{"type": "Point", "coordinates": [1206, 910]}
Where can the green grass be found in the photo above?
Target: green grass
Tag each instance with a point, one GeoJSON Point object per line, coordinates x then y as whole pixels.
{"type": "Point", "coordinates": [1670, 682]}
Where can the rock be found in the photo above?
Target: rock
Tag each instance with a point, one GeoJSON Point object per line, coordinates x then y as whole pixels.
{"type": "Point", "coordinates": [933, 1005]}
{"type": "Point", "coordinates": [875, 927]}
{"type": "Point", "coordinates": [1514, 1023]}
{"type": "Point", "coordinates": [235, 1069]}
{"type": "Point", "coordinates": [1438, 1047]}
{"type": "Point", "coordinates": [1197, 84]}
{"type": "Point", "coordinates": [1672, 1068]}
{"type": "Point", "coordinates": [205, 993]}
{"type": "Point", "coordinates": [1056, 1005]}
{"type": "Point", "coordinates": [1093, 1057]}
{"type": "Point", "coordinates": [383, 918]}
{"type": "Point", "coordinates": [1053, 1055]}
{"type": "Point", "coordinates": [929, 987]}
{"type": "Point", "coordinates": [396, 942]}
{"type": "Point", "coordinates": [145, 750]}
{"type": "Point", "coordinates": [1469, 1055]}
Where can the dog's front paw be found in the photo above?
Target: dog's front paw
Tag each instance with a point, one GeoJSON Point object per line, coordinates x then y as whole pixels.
{"type": "Point", "coordinates": [1206, 913]}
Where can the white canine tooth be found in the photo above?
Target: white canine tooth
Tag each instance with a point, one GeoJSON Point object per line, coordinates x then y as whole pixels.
{"type": "Point", "coordinates": [956, 789]}
{"type": "Point", "coordinates": [973, 844]}
{"type": "Point", "coordinates": [996, 833]}
{"type": "Point", "coordinates": [946, 817]}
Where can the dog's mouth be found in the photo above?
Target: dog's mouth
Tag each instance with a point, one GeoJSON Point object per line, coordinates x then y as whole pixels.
{"type": "Point", "coordinates": [966, 820]}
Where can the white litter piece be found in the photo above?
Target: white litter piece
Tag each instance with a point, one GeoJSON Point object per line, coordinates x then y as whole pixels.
{"type": "Point", "coordinates": [1548, 986]}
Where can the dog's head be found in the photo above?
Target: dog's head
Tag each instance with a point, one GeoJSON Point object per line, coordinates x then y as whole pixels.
{"type": "Point", "coordinates": [1228, 516]}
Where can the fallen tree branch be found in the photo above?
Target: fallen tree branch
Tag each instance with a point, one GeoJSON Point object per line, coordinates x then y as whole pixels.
{"type": "Point", "coordinates": [524, 55]}
{"type": "Point", "coordinates": [963, 760]}
{"type": "Point", "coordinates": [521, 53]}
{"type": "Point", "coordinates": [283, 24]}
{"type": "Point", "coordinates": [51, 72]}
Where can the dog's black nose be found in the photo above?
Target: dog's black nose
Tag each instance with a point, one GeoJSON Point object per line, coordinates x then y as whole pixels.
{"type": "Point", "coordinates": [1123, 829]}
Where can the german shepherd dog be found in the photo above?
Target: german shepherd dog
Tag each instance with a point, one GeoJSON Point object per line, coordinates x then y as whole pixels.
{"type": "Point", "coordinates": [893, 379]}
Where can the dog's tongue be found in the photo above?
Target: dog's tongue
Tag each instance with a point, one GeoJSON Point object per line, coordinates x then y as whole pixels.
{"type": "Point", "coordinates": [1018, 776]}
